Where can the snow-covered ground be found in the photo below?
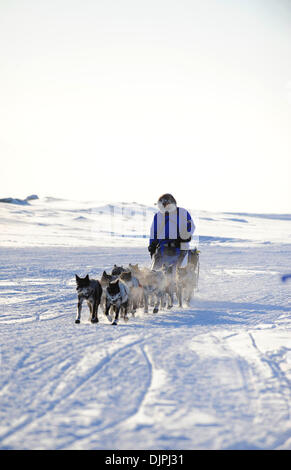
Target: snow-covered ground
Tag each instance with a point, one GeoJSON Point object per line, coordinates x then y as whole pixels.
{"type": "Point", "coordinates": [214, 376]}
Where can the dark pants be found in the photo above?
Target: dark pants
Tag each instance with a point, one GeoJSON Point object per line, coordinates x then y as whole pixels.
{"type": "Point", "coordinates": [167, 255]}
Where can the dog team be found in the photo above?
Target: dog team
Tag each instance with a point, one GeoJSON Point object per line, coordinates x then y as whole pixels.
{"type": "Point", "coordinates": [125, 290]}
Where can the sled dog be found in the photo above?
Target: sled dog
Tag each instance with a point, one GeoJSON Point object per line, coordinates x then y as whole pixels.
{"type": "Point", "coordinates": [117, 296]}
{"type": "Point", "coordinates": [187, 278]}
{"type": "Point", "coordinates": [106, 278]}
{"type": "Point", "coordinates": [117, 270]}
{"type": "Point", "coordinates": [193, 260]}
{"type": "Point", "coordinates": [152, 283]}
{"type": "Point", "coordinates": [135, 290]}
{"type": "Point", "coordinates": [91, 291]}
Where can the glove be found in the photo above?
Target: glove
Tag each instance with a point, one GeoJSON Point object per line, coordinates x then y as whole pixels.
{"type": "Point", "coordinates": [152, 248]}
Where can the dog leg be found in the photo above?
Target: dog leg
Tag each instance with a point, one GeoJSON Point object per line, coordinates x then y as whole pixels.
{"type": "Point", "coordinates": [90, 306]}
{"type": "Point", "coordinates": [179, 295]}
{"type": "Point", "coordinates": [145, 299]}
{"type": "Point", "coordinates": [116, 316]}
{"type": "Point", "coordinates": [163, 300]}
{"type": "Point", "coordinates": [108, 305]}
{"type": "Point", "coordinates": [94, 318]}
{"type": "Point", "coordinates": [170, 298]}
{"type": "Point", "coordinates": [141, 300]}
{"type": "Point", "coordinates": [79, 310]}
{"type": "Point", "coordinates": [121, 312]}
{"type": "Point", "coordinates": [158, 301]}
{"type": "Point", "coordinates": [190, 295]}
{"type": "Point", "coordinates": [131, 304]}
{"type": "Point", "coordinates": [103, 302]}
{"type": "Point", "coordinates": [135, 302]}
{"type": "Point", "coordinates": [125, 307]}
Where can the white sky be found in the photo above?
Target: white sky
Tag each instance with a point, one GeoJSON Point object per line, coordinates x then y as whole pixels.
{"type": "Point", "coordinates": [128, 99]}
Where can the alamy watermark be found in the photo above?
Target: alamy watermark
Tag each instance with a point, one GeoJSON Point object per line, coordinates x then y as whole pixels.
{"type": "Point", "coordinates": [132, 221]}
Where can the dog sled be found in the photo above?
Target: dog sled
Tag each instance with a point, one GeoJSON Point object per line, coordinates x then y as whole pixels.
{"type": "Point", "coordinates": [180, 269]}
{"type": "Point", "coordinates": [170, 254]}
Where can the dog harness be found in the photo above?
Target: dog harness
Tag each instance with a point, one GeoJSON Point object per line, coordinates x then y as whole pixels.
{"type": "Point", "coordinates": [121, 296]}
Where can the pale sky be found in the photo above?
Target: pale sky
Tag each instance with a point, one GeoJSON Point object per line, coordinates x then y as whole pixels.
{"type": "Point", "coordinates": [127, 99]}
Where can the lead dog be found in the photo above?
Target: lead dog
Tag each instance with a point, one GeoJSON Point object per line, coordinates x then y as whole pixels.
{"type": "Point", "coordinates": [91, 291]}
{"type": "Point", "coordinates": [105, 280]}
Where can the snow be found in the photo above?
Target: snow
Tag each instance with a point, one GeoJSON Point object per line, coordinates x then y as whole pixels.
{"type": "Point", "coordinates": [214, 376]}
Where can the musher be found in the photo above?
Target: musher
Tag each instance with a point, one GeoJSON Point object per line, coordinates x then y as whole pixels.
{"type": "Point", "coordinates": [171, 232]}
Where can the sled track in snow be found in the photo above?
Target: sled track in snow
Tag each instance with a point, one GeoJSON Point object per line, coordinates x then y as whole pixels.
{"type": "Point", "coordinates": [121, 422]}
{"type": "Point", "coordinates": [83, 379]}
{"type": "Point", "coordinates": [216, 375]}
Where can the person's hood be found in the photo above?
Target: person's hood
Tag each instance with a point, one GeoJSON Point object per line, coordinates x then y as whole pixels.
{"type": "Point", "coordinates": [167, 208]}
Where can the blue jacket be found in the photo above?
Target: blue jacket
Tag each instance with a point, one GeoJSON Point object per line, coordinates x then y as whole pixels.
{"type": "Point", "coordinates": [174, 225]}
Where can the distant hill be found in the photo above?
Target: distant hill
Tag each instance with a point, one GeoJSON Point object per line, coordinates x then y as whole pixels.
{"type": "Point", "coordinates": [22, 202]}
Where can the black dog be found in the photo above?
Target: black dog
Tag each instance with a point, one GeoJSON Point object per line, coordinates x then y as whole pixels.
{"type": "Point", "coordinates": [117, 296]}
{"type": "Point", "coordinates": [117, 270]}
{"type": "Point", "coordinates": [91, 291]}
